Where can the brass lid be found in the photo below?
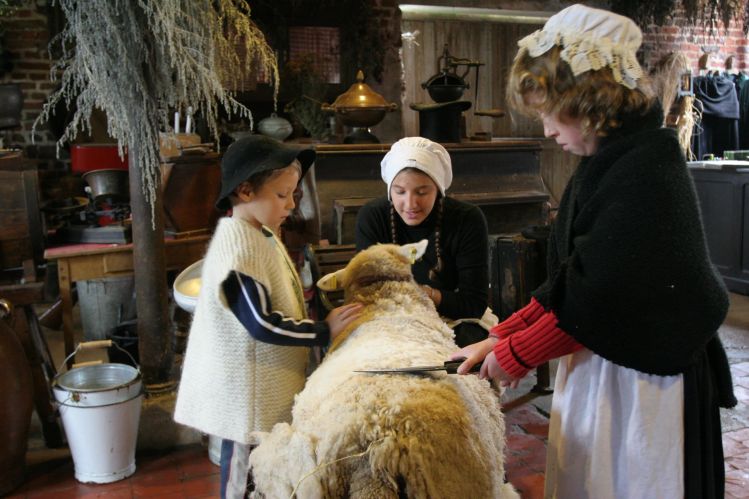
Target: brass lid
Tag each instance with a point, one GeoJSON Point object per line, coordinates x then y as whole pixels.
{"type": "Point", "coordinates": [359, 95]}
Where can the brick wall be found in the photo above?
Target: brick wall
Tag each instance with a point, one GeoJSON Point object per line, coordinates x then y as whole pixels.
{"type": "Point", "coordinates": [677, 35]}
{"type": "Point", "coordinates": [26, 38]}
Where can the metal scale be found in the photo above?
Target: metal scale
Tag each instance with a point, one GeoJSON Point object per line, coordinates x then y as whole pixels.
{"type": "Point", "coordinates": [102, 217]}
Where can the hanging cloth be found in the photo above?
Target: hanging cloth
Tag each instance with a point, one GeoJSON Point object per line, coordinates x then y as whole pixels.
{"type": "Point", "coordinates": [720, 116]}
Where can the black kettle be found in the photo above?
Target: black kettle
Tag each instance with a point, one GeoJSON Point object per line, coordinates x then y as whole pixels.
{"type": "Point", "coordinates": [448, 85]}
{"type": "Point", "coordinates": [11, 104]}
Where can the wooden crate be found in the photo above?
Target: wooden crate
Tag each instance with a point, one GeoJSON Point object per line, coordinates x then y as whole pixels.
{"type": "Point", "coordinates": [21, 236]}
{"type": "Point", "coordinates": [345, 212]}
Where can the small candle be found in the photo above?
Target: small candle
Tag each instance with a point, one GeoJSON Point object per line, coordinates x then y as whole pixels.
{"type": "Point", "coordinates": [188, 120]}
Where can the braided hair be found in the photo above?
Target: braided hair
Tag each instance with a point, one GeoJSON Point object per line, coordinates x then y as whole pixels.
{"type": "Point", "coordinates": [437, 229]}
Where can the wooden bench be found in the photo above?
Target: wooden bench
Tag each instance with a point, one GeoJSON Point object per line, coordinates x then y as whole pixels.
{"type": "Point", "coordinates": [325, 259]}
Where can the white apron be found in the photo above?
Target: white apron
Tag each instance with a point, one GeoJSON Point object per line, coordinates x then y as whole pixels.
{"type": "Point", "coordinates": [614, 432]}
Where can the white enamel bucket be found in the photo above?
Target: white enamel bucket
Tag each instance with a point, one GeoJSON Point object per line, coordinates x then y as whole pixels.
{"type": "Point", "coordinates": [100, 408]}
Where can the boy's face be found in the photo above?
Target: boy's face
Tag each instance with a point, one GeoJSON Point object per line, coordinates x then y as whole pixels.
{"type": "Point", "coordinates": [271, 203]}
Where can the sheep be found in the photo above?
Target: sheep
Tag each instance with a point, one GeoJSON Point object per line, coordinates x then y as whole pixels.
{"type": "Point", "coordinates": [380, 436]}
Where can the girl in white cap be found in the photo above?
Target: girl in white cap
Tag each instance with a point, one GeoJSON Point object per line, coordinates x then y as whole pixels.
{"type": "Point", "coordinates": [454, 270]}
{"type": "Point", "coordinates": [632, 303]}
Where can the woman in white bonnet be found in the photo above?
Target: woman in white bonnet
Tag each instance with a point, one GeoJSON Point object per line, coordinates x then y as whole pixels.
{"type": "Point", "coordinates": [632, 303]}
{"type": "Point", "coordinates": [454, 270]}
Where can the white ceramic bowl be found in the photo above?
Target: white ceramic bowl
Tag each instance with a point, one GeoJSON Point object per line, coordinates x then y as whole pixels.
{"type": "Point", "coordinates": [187, 286]}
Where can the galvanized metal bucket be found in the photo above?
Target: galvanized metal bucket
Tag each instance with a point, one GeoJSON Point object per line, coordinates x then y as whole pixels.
{"type": "Point", "coordinates": [100, 407]}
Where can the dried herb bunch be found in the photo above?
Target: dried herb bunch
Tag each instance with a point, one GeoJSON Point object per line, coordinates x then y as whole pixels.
{"type": "Point", "coordinates": [703, 13]}
{"type": "Point", "coordinates": [302, 81]}
{"type": "Point", "coordinates": [7, 8]}
{"type": "Point", "coordinates": [139, 59]}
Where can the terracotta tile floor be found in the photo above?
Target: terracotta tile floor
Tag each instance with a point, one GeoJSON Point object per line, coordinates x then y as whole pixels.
{"type": "Point", "coordinates": [187, 473]}
{"type": "Point", "coordinates": [736, 443]}
{"type": "Point", "coordinates": [182, 473]}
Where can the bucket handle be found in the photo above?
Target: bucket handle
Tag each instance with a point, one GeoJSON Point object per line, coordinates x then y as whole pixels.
{"type": "Point", "coordinates": [93, 345]}
{"type": "Point", "coordinates": [88, 363]}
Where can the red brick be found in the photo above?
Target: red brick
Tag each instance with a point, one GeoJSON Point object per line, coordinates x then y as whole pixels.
{"type": "Point", "coordinates": [740, 436]}
{"type": "Point", "coordinates": [530, 486]}
{"type": "Point", "coordinates": [737, 482]}
{"type": "Point", "coordinates": [537, 429]}
{"type": "Point", "coordinates": [28, 24]}
{"type": "Point", "coordinates": [26, 65]}
{"type": "Point", "coordinates": [742, 368]}
{"type": "Point", "coordinates": [29, 104]}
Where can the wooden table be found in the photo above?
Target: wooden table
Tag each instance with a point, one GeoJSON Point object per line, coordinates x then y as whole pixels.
{"type": "Point", "coordinates": [80, 262]}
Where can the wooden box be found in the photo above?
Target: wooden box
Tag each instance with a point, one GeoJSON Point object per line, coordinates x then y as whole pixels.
{"type": "Point", "coordinates": [21, 235]}
{"type": "Point", "coordinates": [517, 266]}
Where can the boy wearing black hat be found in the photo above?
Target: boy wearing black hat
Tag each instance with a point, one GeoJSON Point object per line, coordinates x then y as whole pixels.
{"type": "Point", "coordinates": [247, 352]}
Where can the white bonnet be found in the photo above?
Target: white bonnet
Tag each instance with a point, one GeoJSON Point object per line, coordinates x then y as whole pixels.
{"type": "Point", "coordinates": [591, 39]}
{"type": "Point", "coordinates": [422, 154]}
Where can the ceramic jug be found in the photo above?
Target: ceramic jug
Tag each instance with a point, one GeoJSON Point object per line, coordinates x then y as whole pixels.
{"type": "Point", "coordinates": [275, 126]}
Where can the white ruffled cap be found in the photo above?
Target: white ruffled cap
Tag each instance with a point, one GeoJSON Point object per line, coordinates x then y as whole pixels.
{"type": "Point", "coordinates": [422, 154]}
{"type": "Point", "coordinates": [591, 39]}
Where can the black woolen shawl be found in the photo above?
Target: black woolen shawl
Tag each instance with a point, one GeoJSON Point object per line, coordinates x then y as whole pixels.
{"type": "Point", "coordinates": [629, 272]}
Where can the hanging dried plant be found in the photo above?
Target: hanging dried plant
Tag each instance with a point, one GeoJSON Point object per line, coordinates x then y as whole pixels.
{"type": "Point", "coordinates": [644, 13]}
{"type": "Point", "coordinates": [702, 13]}
{"type": "Point", "coordinates": [139, 59]}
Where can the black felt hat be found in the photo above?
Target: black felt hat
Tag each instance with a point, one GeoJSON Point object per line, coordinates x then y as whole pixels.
{"type": "Point", "coordinates": [255, 154]}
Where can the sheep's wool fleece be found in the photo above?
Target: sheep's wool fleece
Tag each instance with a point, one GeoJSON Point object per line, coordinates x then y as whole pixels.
{"type": "Point", "coordinates": [232, 384]}
{"type": "Point", "coordinates": [437, 435]}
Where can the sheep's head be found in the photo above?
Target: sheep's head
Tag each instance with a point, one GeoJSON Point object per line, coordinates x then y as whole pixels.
{"type": "Point", "coordinates": [378, 263]}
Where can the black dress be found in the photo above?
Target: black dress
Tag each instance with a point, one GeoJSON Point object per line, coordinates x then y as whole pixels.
{"type": "Point", "coordinates": [464, 279]}
{"type": "Point", "coordinates": [631, 280]}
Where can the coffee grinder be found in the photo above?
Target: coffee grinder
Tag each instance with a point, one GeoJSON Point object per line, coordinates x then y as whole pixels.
{"type": "Point", "coordinates": [441, 121]}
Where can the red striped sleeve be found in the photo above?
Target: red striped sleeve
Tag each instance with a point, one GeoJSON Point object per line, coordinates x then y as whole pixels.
{"type": "Point", "coordinates": [521, 319]}
{"type": "Point", "coordinates": [526, 349]}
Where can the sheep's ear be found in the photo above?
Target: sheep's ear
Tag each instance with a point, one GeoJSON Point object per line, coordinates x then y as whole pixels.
{"type": "Point", "coordinates": [414, 251]}
{"type": "Point", "coordinates": [332, 282]}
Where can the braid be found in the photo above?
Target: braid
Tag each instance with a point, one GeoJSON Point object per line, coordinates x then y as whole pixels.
{"type": "Point", "coordinates": [437, 228]}
{"type": "Point", "coordinates": [392, 223]}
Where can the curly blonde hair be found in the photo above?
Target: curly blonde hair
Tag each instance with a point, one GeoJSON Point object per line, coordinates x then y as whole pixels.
{"type": "Point", "coordinates": [547, 84]}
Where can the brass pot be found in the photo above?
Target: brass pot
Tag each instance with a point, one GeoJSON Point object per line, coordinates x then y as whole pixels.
{"type": "Point", "coordinates": [360, 106]}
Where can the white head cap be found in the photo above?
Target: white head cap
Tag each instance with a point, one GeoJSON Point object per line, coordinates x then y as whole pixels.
{"type": "Point", "coordinates": [591, 39]}
{"type": "Point", "coordinates": [422, 154]}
